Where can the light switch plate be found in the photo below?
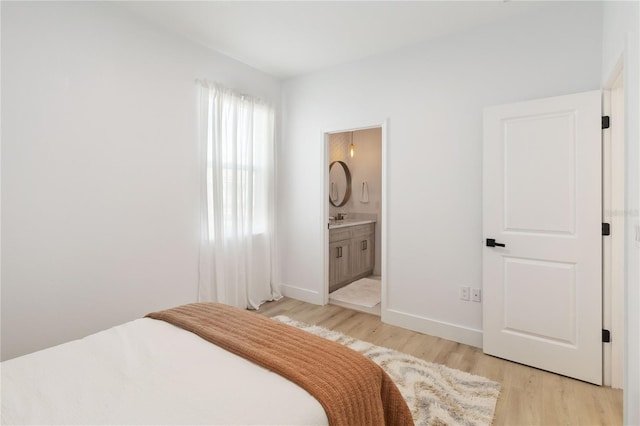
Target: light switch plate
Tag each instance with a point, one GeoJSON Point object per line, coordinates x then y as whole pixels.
{"type": "Point", "coordinates": [464, 293]}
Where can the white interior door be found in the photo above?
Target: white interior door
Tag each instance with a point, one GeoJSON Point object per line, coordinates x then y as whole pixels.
{"type": "Point", "coordinates": [542, 200]}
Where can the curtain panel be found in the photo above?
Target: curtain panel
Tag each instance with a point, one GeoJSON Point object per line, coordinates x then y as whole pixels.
{"type": "Point", "coordinates": [237, 177]}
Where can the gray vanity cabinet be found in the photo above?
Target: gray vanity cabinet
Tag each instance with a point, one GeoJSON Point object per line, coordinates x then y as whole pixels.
{"type": "Point", "coordinates": [351, 254]}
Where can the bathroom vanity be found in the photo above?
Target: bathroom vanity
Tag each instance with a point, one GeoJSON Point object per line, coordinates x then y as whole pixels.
{"type": "Point", "coordinates": [351, 251]}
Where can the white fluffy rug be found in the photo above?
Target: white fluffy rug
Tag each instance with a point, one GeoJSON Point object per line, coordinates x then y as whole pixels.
{"type": "Point", "coordinates": [363, 292]}
{"type": "Point", "coordinates": [436, 395]}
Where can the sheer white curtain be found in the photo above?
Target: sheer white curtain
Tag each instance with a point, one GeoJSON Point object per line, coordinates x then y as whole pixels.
{"type": "Point", "coordinates": [237, 198]}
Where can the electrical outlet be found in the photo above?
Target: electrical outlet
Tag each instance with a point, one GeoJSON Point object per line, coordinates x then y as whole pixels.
{"type": "Point", "coordinates": [464, 293]}
{"type": "Point", "coordinates": [476, 294]}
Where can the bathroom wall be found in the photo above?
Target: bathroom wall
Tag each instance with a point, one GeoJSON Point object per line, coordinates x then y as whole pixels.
{"type": "Point", "coordinates": [365, 166]}
{"type": "Point", "coordinates": [339, 151]}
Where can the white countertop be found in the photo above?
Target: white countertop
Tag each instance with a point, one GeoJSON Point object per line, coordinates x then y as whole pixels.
{"type": "Point", "coordinates": [349, 222]}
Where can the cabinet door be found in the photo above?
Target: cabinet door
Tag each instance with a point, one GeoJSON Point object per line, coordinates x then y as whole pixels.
{"type": "Point", "coordinates": [363, 254]}
{"type": "Point", "coordinates": [339, 263]}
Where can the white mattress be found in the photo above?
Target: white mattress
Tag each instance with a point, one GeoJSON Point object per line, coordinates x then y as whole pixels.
{"type": "Point", "coordinates": [148, 372]}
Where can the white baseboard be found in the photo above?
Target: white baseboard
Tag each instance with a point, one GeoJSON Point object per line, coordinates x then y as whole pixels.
{"type": "Point", "coordinates": [457, 333]}
{"type": "Point", "coordinates": [302, 294]}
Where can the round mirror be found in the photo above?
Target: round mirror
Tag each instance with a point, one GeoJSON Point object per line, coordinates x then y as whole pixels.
{"type": "Point", "coordinates": [339, 183]}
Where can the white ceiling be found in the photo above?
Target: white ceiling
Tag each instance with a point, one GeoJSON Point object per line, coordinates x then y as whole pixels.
{"type": "Point", "coordinates": [291, 38]}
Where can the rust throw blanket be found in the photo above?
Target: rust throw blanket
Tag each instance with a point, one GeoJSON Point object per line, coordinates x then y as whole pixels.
{"type": "Point", "coordinates": [352, 389]}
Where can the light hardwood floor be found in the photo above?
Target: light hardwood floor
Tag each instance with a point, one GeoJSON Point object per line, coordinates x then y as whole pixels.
{"type": "Point", "coordinates": [528, 397]}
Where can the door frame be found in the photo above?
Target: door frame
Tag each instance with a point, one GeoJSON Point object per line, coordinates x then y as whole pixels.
{"type": "Point", "coordinates": [352, 127]}
{"type": "Point", "coordinates": [613, 205]}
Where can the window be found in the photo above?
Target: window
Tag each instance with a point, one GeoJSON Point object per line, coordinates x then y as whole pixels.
{"type": "Point", "coordinates": [239, 165]}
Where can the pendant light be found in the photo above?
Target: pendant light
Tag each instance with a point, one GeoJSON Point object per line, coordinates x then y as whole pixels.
{"type": "Point", "coordinates": [352, 147]}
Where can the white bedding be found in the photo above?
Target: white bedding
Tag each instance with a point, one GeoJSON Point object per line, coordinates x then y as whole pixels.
{"type": "Point", "coordinates": [148, 372]}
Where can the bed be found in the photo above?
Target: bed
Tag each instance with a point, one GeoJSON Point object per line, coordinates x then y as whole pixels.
{"type": "Point", "coordinates": [152, 371]}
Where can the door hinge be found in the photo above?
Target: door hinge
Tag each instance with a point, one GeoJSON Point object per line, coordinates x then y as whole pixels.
{"type": "Point", "coordinates": [605, 122]}
{"type": "Point", "coordinates": [606, 336]}
{"type": "Point", "coordinates": [606, 229]}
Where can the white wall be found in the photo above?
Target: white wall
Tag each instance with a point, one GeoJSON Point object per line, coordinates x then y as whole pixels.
{"type": "Point", "coordinates": [433, 95]}
{"type": "Point", "coordinates": [621, 38]}
{"type": "Point", "coordinates": [99, 168]}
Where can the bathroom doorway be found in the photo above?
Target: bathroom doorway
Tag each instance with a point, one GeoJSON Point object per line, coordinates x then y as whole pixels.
{"type": "Point", "coordinates": [354, 249]}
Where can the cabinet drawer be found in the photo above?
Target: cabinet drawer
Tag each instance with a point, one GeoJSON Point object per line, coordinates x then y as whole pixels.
{"type": "Point", "coordinates": [360, 230]}
{"type": "Point", "coordinates": [339, 234]}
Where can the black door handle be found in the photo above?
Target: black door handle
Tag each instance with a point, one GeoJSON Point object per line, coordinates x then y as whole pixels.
{"type": "Point", "coordinates": [492, 243]}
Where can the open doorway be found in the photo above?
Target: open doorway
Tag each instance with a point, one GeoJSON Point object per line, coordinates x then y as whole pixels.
{"type": "Point", "coordinates": [354, 191]}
